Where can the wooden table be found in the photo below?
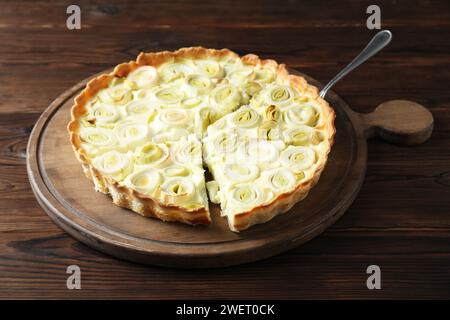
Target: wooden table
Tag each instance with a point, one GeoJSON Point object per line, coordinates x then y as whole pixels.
{"type": "Point", "coordinates": [400, 220]}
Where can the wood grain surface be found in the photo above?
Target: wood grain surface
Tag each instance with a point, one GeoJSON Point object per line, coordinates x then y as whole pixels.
{"type": "Point", "coordinates": [399, 221]}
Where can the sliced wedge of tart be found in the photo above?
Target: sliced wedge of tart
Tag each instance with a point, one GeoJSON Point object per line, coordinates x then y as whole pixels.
{"type": "Point", "coordinates": [145, 132]}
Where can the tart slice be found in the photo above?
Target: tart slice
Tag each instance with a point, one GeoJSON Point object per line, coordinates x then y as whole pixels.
{"type": "Point", "coordinates": [264, 157]}
{"type": "Point", "coordinates": [145, 132]}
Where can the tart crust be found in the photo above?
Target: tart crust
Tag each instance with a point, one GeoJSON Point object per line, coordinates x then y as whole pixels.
{"type": "Point", "coordinates": [126, 197]}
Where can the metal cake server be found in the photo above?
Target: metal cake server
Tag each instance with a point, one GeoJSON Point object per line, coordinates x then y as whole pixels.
{"type": "Point", "coordinates": [378, 42]}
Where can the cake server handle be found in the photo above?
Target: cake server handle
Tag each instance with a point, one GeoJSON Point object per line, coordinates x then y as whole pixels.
{"type": "Point", "coordinates": [378, 42]}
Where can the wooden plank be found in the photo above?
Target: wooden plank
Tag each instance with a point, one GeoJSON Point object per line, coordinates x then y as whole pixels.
{"type": "Point", "coordinates": [399, 219]}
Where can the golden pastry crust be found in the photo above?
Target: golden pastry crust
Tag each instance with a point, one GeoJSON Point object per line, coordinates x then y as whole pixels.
{"type": "Point", "coordinates": [126, 197]}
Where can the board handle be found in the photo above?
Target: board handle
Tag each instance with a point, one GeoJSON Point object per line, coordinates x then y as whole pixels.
{"type": "Point", "coordinates": [401, 122]}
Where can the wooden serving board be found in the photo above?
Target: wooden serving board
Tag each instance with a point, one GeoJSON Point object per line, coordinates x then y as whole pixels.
{"type": "Point", "coordinates": [69, 199]}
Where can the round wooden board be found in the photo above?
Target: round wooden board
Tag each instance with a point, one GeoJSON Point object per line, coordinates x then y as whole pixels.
{"type": "Point", "coordinates": [69, 199]}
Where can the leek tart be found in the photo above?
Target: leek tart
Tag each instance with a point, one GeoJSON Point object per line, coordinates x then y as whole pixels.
{"type": "Point", "coordinates": [146, 132]}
